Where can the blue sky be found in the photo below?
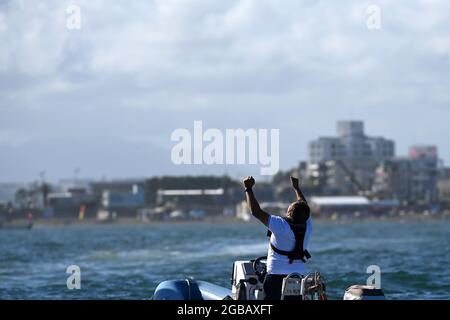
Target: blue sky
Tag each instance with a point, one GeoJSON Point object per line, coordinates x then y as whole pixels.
{"type": "Point", "coordinates": [106, 98]}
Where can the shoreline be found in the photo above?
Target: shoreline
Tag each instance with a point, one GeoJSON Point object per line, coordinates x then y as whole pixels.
{"type": "Point", "coordinates": [406, 218]}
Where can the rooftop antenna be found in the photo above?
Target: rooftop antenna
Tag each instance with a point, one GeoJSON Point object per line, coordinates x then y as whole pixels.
{"type": "Point", "coordinates": [43, 188]}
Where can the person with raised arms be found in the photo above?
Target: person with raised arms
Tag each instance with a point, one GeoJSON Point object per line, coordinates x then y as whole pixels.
{"type": "Point", "coordinates": [289, 238]}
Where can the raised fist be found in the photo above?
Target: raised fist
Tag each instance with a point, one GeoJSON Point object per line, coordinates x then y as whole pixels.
{"type": "Point", "coordinates": [249, 182]}
{"type": "Point", "coordinates": [294, 182]}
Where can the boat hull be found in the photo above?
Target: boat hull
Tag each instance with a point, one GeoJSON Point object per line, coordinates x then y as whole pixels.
{"type": "Point", "coordinates": [186, 289]}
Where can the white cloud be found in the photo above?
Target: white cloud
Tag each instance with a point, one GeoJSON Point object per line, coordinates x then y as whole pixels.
{"type": "Point", "coordinates": [142, 67]}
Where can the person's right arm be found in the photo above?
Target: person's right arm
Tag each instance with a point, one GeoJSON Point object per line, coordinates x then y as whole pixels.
{"type": "Point", "coordinates": [253, 204]}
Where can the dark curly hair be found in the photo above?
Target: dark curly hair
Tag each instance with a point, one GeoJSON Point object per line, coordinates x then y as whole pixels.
{"type": "Point", "coordinates": [298, 212]}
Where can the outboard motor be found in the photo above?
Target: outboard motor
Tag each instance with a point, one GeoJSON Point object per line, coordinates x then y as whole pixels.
{"type": "Point", "coordinates": [361, 292]}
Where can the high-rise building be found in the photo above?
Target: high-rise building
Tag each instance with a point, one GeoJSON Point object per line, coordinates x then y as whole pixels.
{"type": "Point", "coordinates": [350, 144]}
{"type": "Point", "coordinates": [348, 161]}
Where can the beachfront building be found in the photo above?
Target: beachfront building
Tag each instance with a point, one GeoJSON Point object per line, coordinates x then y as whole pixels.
{"type": "Point", "coordinates": [194, 203]}
{"type": "Point", "coordinates": [335, 178]}
{"type": "Point", "coordinates": [412, 179]}
{"type": "Point", "coordinates": [119, 198]}
{"type": "Point", "coordinates": [444, 192]}
{"type": "Point", "coordinates": [69, 203]}
{"type": "Point", "coordinates": [350, 206]}
{"type": "Point", "coordinates": [443, 186]}
{"type": "Point", "coordinates": [425, 173]}
{"type": "Point", "coordinates": [346, 163]}
{"type": "Point", "coordinates": [124, 199]}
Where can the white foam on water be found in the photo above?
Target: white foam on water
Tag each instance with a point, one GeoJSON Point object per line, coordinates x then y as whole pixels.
{"type": "Point", "coordinates": [248, 249]}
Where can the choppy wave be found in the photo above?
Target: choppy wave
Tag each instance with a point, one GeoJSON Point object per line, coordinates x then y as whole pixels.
{"type": "Point", "coordinates": [127, 262]}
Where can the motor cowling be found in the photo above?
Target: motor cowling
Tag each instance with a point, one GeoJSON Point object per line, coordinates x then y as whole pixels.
{"type": "Point", "coordinates": [183, 289]}
{"type": "Point", "coordinates": [363, 292]}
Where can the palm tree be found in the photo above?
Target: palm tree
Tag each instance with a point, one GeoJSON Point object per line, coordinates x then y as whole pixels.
{"type": "Point", "coordinates": [45, 190]}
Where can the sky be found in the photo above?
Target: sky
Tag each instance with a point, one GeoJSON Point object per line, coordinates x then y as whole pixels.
{"type": "Point", "coordinates": [104, 99]}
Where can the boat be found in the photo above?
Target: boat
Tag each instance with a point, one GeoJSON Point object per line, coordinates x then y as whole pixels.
{"type": "Point", "coordinates": [247, 285]}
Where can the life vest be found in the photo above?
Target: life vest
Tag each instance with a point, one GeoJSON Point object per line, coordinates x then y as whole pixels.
{"type": "Point", "coordinates": [298, 253]}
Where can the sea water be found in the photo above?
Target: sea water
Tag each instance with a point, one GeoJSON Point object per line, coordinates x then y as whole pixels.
{"type": "Point", "coordinates": [128, 261]}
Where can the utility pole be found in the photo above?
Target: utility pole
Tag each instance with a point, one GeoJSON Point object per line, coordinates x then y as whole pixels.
{"type": "Point", "coordinates": [75, 175]}
{"type": "Point", "coordinates": [45, 189]}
